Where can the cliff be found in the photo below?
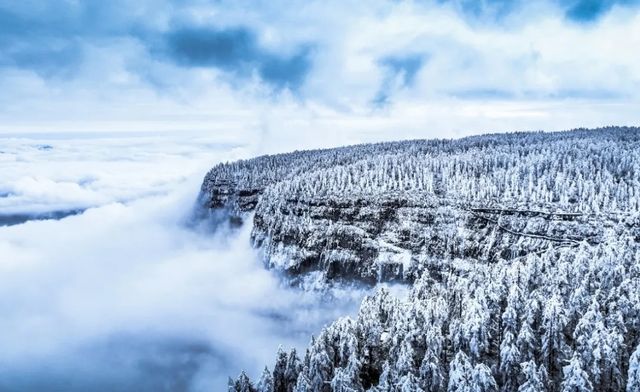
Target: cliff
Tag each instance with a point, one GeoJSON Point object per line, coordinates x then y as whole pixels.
{"type": "Point", "coordinates": [388, 211]}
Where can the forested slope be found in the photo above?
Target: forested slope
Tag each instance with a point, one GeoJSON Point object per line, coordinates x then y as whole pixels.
{"type": "Point", "coordinates": [381, 212]}
{"type": "Point", "coordinates": [523, 252]}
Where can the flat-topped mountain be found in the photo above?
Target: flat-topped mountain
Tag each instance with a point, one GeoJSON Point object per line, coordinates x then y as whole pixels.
{"type": "Point", "coordinates": [521, 251]}
{"type": "Point", "coordinates": [384, 212]}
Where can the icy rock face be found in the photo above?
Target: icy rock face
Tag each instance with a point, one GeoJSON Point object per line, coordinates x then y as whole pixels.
{"type": "Point", "coordinates": [394, 239]}
{"type": "Point", "coordinates": [387, 212]}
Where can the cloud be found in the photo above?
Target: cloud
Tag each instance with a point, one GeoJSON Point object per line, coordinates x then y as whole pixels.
{"type": "Point", "coordinates": [592, 10]}
{"type": "Point", "coordinates": [236, 51]}
{"type": "Point", "coordinates": [26, 45]}
{"type": "Point", "coordinates": [56, 173]}
{"type": "Point", "coordinates": [224, 68]}
{"type": "Point", "coordinates": [400, 73]}
{"type": "Point", "coordinates": [575, 10]}
{"type": "Point", "coordinates": [134, 294]}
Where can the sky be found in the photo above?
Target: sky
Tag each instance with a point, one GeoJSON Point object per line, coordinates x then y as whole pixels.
{"type": "Point", "coordinates": [286, 74]}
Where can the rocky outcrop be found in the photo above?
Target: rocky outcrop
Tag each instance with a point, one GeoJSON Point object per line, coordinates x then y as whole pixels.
{"type": "Point", "coordinates": [395, 239]}
{"type": "Point", "coordinates": [387, 212]}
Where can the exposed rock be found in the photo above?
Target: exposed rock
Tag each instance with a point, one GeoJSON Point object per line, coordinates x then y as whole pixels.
{"type": "Point", "coordinates": [385, 212]}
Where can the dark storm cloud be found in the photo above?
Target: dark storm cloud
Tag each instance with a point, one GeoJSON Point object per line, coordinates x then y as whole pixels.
{"type": "Point", "coordinates": [236, 51]}
{"type": "Point", "coordinates": [51, 38]}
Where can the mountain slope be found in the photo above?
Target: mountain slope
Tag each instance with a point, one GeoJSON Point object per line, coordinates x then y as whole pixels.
{"type": "Point", "coordinates": [382, 212]}
{"type": "Point", "coordinates": [522, 251]}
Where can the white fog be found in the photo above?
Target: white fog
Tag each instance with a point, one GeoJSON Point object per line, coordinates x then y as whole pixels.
{"type": "Point", "coordinates": [133, 292]}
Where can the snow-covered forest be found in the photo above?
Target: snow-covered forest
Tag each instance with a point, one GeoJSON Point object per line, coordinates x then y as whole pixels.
{"type": "Point", "coordinates": [580, 170]}
{"type": "Point", "coordinates": [522, 253]}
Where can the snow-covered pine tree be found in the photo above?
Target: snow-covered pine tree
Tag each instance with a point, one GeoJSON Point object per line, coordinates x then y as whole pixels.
{"type": "Point", "coordinates": [633, 374]}
{"type": "Point", "coordinates": [279, 371]}
{"type": "Point", "coordinates": [303, 385]}
{"type": "Point", "coordinates": [265, 384]}
{"type": "Point", "coordinates": [293, 369]}
{"type": "Point", "coordinates": [460, 374]}
{"type": "Point", "coordinates": [242, 384]}
{"type": "Point", "coordinates": [575, 379]}
{"type": "Point", "coordinates": [482, 379]}
{"type": "Point", "coordinates": [533, 378]}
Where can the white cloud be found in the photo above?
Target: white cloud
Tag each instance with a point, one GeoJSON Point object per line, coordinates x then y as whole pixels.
{"type": "Point", "coordinates": [533, 59]}
{"type": "Point", "coordinates": [54, 172]}
{"type": "Point", "coordinates": [131, 293]}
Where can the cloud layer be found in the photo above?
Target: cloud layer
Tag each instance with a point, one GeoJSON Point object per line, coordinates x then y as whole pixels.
{"type": "Point", "coordinates": [134, 294]}
{"type": "Point", "coordinates": [371, 70]}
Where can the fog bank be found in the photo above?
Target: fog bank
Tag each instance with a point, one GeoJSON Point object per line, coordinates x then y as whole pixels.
{"type": "Point", "coordinates": [131, 294]}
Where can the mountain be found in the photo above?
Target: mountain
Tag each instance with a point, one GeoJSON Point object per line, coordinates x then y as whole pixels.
{"type": "Point", "coordinates": [522, 252]}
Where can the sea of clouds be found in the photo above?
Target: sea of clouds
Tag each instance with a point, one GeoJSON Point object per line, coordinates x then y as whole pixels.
{"type": "Point", "coordinates": [133, 293]}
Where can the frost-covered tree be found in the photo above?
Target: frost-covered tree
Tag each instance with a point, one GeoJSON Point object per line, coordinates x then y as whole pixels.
{"type": "Point", "coordinates": [553, 341]}
{"type": "Point", "coordinates": [265, 384]}
{"type": "Point", "coordinates": [575, 379]}
{"type": "Point", "coordinates": [279, 372]}
{"type": "Point", "coordinates": [633, 381]}
{"type": "Point", "coordinates": [520, 253]}
{"type": "Point", "coordinates": [320, 369]}
{"type": "Point", "coordinates": [533, 378]}
{"type": "Point", "coordinates": [461, 374]}
{"type": "Point", "coordinates": [482, 379]}
{"type": "Point", "coordinates": [293, 369]}
{"type": "Point", "coordinates": [304, 385]}
{"type": "Point", "coordinates": [346, 379]}
{"type": "Point", "coordinates": [409, 383]}
{"type": "Point", "coordinates": [242, 384]}
{"type": "Point", "coordinates": [431, 372]}
{"type": "Point", "coordinates": [509, 361]}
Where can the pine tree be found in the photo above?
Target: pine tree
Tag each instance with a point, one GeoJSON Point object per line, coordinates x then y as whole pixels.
{"type": "Point", "coordinates": [575, 379]}
{"type": "Point", "coordinates": [279, 371]}
{"type": "Point", "coordinates": [303, 385]}
{"type": "Point", "coordinates": [386, 382]}
{"type": "Point", "coordinates": [265, 384]}
{"type": "Point", "coordinates": [431, 372]}
{"type": "Point", "coordinates": [409, 383]}
{"type": "Point", "coordinates": [533, 378]}
{"type": "Point", "coordinates": [509, 360]}
{"type": "Point", "coordinates": [553, 341]}
{"type": "Point", "coordinates": [405, 364]}
{"type": "Point", "coordinates": [242, 384]}
{"type": "Point", "coordinates": [343, 381]}
{"type": "Point", "coordinates": [482, 380]}
{"type": "Point", "coordinates": [527, 341]}
{"type": "Point", "coordinates": [320, 369]}
{"type": "Point", "coordinates": [460, 374]}
{"type": "Point", "coordinates": [294, 366]}
{"type": "Point", "coordinates": [633, 375]}
{"type": "Point", "coordinates": [231, 385]}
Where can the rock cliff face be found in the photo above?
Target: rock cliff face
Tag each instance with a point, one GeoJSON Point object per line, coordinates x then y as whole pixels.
{"type": "Point", "coordinates": [387, 212]}
{"type": "Point", "coordinates": [395, 239]}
